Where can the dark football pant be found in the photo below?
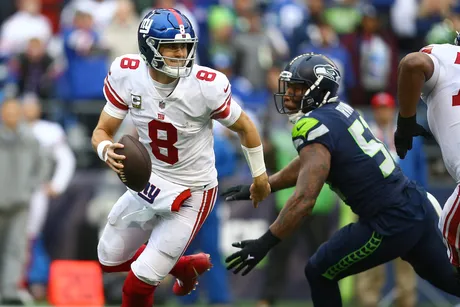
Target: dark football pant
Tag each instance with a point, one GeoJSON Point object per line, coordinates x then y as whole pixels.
{"type": "Point", "coordinates": [357, 247]}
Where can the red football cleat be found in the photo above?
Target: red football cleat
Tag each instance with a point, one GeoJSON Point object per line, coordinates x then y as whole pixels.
{"type": "Point", "coordinates": [187, 277]}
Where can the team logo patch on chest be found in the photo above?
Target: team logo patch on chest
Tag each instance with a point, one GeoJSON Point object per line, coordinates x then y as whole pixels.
{"type": "Point", "coordinates": [136, 101]}
{"type": "Point", "coordinates": [162, 104]}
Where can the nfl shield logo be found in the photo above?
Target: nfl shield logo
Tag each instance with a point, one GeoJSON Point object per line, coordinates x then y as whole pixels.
{"type": "Point", "coordinates": [136, 101]}
{"type": "Point", "coordinates": [162, 104]}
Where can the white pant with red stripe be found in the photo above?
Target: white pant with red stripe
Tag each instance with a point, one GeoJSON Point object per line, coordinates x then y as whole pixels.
{"type": "Point", "coordinates": [168, 234]}
{"type": "Point", "coordinates": [449, 224]}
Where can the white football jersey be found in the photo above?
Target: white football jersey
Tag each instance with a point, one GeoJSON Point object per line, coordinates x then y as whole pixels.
{"type": "Point", "coordinates": [441, 93]}
{"type": "Point", "coordinates": [177, 129]}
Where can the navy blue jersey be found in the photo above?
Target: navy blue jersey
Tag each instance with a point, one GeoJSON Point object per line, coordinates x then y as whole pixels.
{"type": "Point", "coordinates": [363, 172]}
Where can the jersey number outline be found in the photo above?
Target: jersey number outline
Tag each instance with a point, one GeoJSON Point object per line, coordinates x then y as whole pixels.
{"type": "Point", "coordinates": [172, 155]}
{"type": "Point", "coordinates": [206, 75]}
{"type": "Point", "coordinates": [372, 147]}
{"type": "Point", "coordinates": [129, 63]}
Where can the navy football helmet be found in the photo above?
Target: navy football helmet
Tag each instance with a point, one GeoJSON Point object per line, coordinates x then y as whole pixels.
{"type": "Point", "coordinates": [314, 72]}
{"type": "Point", "coordinates": [166, 26]}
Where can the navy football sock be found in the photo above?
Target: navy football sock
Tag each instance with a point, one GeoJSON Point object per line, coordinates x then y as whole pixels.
{"type": "Point", "coordinates": [324, 292]}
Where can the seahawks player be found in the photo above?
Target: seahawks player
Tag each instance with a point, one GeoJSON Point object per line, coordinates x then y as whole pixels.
{"type": "Point", "coordinates": [335, 145]}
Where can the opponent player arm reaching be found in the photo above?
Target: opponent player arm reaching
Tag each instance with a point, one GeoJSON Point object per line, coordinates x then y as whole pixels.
{"type": "Point", "coordinates": [414, 70]}
{"type": "Point", "coordinates": [314, 161]}
{"type": "Point", "coordinates": [102, 140]}
{"type": "Point", "coordinates": [252, 148]}
{"type": "Point", "coordinates": [283, 179]}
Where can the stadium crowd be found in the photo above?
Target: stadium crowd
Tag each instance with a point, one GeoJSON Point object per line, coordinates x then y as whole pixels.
{"type": "Point", "coordinates": [55, 54]}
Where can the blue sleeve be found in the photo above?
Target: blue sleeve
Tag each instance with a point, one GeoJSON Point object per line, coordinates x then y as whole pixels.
{"type": "Point", "coordinates": [225, 157]}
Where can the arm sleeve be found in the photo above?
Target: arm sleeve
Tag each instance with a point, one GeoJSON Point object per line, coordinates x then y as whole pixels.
{"type": "Point", "coordinates": [309, 130]}
{"type": "Point", "coordinates": [116, 105]}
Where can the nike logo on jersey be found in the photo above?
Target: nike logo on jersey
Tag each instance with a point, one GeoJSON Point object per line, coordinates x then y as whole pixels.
{"type": "Point", "coordinates": [249, 258]}
{"type": "Point", "coordinates": [226, 89]}
{"type": "Point", "coordinates": [300, 127]}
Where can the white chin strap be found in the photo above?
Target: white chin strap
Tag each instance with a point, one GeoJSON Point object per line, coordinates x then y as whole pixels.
{"type": "Point", "coordinates": [294, 117]}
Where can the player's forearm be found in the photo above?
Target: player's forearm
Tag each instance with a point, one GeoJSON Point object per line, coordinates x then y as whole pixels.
{"type": "Point", "coordinates": [100, 135]}
{"type": "Point", "coordinates": [249, 136]}
{"type": "Point", "coordinates": [285, 178]}
{"type": "Point", "coordinates": [411, 78]}
{"type": "Point", "coordinates": [251, 146]}
{"type": "Point", "coordinates": [291, 216]}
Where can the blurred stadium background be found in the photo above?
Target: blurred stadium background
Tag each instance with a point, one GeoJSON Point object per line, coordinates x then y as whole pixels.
{"type": "Point", "coordinates": [54, 55]}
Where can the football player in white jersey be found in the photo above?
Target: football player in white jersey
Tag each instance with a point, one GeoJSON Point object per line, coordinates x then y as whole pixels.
{"type": "Point", "coordinates": [433, 74]}
{"type": "Point", "coordinates": [172, 103]}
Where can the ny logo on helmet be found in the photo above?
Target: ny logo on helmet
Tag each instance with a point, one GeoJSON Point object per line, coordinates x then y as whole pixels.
{"type": "Point", "coordinates": [327, 71]}
{"type": "Point", "coordinates": [145, 25]}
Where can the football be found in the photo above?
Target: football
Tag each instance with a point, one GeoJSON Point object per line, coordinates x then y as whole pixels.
{"type": "Point", "coordinates": [137, 165]}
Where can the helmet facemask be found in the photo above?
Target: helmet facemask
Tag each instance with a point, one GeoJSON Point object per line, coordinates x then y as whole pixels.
{"type": "Point", "coordinates": [313, 97]}
{"type": "Point", "coordinates": [159, 61]}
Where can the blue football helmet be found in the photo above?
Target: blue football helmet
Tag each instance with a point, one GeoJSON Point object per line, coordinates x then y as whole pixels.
{"type": "Point", "coordinates": [166, 26]}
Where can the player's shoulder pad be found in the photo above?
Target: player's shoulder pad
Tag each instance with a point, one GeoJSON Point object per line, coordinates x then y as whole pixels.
{"type": "Point", "coordinates": [213, 83]}
{"type": "Point", "coordinates": [440, 49]}
{"type": "Point", "coordinates": [124, 66]}
{"type": "Point", "coordinates": [306, 127]}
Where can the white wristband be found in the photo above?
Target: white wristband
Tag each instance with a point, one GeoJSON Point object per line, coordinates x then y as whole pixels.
{"type": "Point", "coordinates": [100, 149]}
{"type": "Point", "coordinates": [255, 158]}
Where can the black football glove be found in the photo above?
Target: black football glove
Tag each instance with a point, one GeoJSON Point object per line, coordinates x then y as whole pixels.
{"type": "Point", "coordinates": [407, 128]}
{"type": "Point", "coordinates": [239, 192]}
{"type": "Point", "coordinates": [251, 253]}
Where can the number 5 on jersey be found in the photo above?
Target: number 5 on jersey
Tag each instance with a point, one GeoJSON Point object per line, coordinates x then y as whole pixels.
{"type": "Point", "coordinates": [372, 147]}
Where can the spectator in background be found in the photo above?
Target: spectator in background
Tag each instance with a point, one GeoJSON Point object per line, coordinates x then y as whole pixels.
{"type": "Point", "coordinates": [344, 16]}
{"type": "Point", "coordinates": [24, 168]}
{"type": "Point", "coordinates": [288, 16]}
{"type": "Point", "coordinates": [324, 40]}
{"type": "Point", "coordinates": [445, 31]}
{"type": "Point", "coordinates": [52, 140]}
{"type": "Point", "coordinates": [369, 284]}
{"type": "Point", "coordinates": [86, 57]}
{"type": "Point", "coordinates": [242, 90]}
{"type": "Point", "coordinates": [374, 57]}
{"type": "Point", "coordinates": [34, 70]}
{"type": "Point", "coordinates": [301, 34]}
{"type": "Point", "coordinates": [221, 24]}
{"type": "Point", "coordinates": [22, 26]}
{"type": "Point", "coordinates": [412, 19]}
{"type": "Point", "coordinates": [118, 35]}
{"type": "Point", "coordinates": [254, 49]}
{"type": "Point", "coordinates": [102, 12]}
{"type": "Point", "coordinates": [215, 282]}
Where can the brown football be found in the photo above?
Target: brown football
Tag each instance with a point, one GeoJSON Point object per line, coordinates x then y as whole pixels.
{"type": "Point", "coordinates": [137, 165]}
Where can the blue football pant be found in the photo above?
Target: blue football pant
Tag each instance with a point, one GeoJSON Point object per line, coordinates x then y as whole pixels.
{"type": "Point", "coordinates": [357, 247]}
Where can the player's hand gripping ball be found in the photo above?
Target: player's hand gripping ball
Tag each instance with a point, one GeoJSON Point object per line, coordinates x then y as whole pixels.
{"type": "Point", "coordinates": [137, 166]}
